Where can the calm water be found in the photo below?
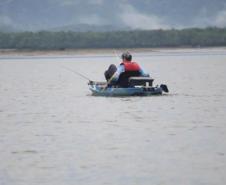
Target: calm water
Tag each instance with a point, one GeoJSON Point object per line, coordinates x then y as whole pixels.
{"type": "Point", "coordinates": [53, 132]}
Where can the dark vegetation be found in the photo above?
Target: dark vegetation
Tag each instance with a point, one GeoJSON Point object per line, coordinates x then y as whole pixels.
{"type": "Point", "coordinates": [45, 40]}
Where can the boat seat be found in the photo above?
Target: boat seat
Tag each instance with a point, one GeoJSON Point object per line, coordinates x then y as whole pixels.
{"type": "Point", "coordinates": [140, 81]}
{"type": "Point", "coordinates": [123, 80]}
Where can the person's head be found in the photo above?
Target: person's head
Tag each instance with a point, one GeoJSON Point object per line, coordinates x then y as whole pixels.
{"type": "Point", "coordinates": [127, 57]}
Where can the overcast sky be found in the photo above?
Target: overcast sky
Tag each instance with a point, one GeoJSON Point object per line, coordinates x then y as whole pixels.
{"type": "Point", "coordinates": [136, 14]}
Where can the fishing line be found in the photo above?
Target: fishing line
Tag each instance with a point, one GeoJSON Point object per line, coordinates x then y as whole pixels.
{"type": "Point", "coordinates": [116, 54]}
{"type": "Point", "coordinates": [75, 72]}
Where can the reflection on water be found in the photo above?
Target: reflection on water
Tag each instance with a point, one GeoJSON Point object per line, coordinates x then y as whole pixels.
{"type": "Point", "coordinates": [52, 131]}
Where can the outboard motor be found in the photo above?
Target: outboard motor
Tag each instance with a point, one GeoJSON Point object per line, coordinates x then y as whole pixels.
{"type": "Point", "coordinates": [164, 88]}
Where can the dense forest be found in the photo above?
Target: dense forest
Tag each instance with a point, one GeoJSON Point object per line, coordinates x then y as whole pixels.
{"type": "Point", "coordinates": [44, 40]}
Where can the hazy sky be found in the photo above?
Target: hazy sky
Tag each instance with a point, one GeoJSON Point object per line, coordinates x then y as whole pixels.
{"type": "Point", "coordinates": [141, 14]}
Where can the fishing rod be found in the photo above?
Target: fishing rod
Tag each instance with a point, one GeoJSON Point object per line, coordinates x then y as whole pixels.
{"type": "Point", "coordinates": [79, 74]}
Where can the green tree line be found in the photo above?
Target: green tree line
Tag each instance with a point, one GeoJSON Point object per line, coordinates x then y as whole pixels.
{"type": "Point", "coordinates": [193, 37]}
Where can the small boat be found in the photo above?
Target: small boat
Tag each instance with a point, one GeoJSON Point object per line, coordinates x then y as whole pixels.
{"type": "Point", "coordinates": [138, 86]}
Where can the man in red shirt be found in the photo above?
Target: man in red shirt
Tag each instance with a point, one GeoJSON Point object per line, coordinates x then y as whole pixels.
{"type": "Point", "coordinates": [120, 75]}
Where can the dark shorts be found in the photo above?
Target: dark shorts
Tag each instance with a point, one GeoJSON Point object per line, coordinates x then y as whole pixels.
{"type": "Point", "coordinates": [110, 71]}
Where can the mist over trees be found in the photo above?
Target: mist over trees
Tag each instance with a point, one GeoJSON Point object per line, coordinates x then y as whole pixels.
{"type": "Point", "coordinates": [46, 40]}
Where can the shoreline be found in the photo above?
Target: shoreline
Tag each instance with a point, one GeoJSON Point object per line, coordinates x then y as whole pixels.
{"type": "Point", "coordinates": [28, 52]}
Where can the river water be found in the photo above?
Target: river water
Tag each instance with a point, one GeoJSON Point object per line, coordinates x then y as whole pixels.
{"type": "Point", "coordinates": [52, 131]}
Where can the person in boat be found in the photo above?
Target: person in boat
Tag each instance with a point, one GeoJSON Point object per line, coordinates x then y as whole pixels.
{"type": "Point", "coordinates": [120, 75]}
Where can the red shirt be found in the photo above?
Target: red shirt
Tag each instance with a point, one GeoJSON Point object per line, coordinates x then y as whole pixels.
{"type": "Point", "coordinates": [131, 66]}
